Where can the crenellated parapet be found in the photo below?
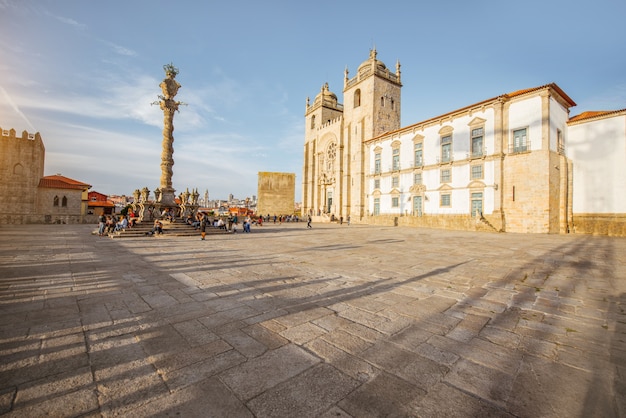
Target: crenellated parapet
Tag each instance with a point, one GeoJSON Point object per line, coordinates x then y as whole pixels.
{"type": "Point", "coordinates": [26, 136]}
{"type": "Point", "coordinates": [331, 122]}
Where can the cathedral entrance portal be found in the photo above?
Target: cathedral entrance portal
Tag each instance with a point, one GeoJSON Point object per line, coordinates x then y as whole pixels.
{"type": "Point", "coordinates": [329, 201]}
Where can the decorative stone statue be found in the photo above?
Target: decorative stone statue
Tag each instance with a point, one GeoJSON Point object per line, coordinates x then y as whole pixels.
{"type": "Point", "coordinates": [145, 194]}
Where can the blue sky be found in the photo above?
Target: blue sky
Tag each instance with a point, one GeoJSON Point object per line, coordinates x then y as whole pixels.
{"type": "Point", "coordinates": [83, 74]}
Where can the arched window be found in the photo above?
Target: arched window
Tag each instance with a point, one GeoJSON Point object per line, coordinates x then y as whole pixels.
{"type": "Point", "coordinates": [55, 201]}
{"type": "Point", "coordinates": [357, 98]}
{"type": "Point", "coordinates": [331, 155]}
{"type": "Point", "coordinates": [382, 102]}
{"type": "Point", "coordinates": [64, 202]}
{"type": "Point", "coordinates": [313, 122]}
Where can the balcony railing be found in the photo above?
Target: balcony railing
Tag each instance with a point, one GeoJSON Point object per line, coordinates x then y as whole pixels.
{"type": "Point", "coordinates": [519, 148]}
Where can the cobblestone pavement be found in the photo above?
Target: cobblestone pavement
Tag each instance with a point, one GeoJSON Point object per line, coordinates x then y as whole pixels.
{"type": "Point", "coordinates": [336, 321]}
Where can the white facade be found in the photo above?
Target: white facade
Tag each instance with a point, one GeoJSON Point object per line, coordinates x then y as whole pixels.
{"type": "Point", "coordinates": [432, 168]}
{"type": "Point", "coordinates": [597, 147]}
{"type": "Point", "coordinates": [466, 178]}
{"type": "Point", "coordinates": [515, 163]}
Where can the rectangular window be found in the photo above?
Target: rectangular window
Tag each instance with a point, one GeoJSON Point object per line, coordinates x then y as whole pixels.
{"type": "Point", "coordinates": [395, 202]}
{"type": "Point", "coordinates": [377, 206]}
{"type": "Point", "coordinates": [520, 140]}
{"type": "Point", "coordinates": [395, 181]}
{"type": "Point", "coordinates": [446, 176]}
{"type": "Point", "coordinates": [377, 184]}
{"type": "Point", "coordinates": [377, 163]}
{"type": "Point", "coordinates": [418, 155]}
{"type": "Point", "coordinates": [560, 142]}
{"type": "Point", "coordinates": [396, 159]}
{"type": "Point", "coordinates": [444, 200]}
{"type": "Point", "coordinates": [446, 149]}
{"type": "Point", "coordinates": [417, 178]}
{"type": "Point", "coordinates": [477, 172]}
{"type": "Point", "coordinates": [477, 142]}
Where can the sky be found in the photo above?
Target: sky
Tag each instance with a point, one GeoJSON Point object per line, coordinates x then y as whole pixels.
{"type": "Point", "coordinates": [84, 74]}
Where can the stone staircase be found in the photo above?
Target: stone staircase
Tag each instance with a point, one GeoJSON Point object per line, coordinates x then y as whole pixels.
{"type": "Point", "coordinates": [484, 225]}
{"type": "Point", "coordinates": [178, 228]}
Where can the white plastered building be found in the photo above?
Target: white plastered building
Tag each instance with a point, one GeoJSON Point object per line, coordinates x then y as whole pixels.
{"type": "Point", "coordinates": [516, 162]}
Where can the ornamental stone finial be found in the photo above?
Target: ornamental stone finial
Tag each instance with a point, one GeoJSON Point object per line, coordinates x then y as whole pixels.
{"type": "Point", "coordinates": [170, 70]}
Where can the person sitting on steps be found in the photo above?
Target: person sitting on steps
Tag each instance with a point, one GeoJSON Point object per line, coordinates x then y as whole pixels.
{"type": "Point", "coordinates": [157, 228]}
{"type": "Point", "coordinates": [121, 225]}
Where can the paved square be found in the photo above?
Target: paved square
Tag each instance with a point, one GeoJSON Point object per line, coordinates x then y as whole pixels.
{"type": "Point", "coordinates": [336, 321]}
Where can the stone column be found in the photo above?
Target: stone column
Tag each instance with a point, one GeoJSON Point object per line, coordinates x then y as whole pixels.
{"type": "Point", "coordinates": [169, 87]}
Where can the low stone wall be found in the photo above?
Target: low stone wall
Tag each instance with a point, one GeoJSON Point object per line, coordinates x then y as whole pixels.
{"type": "Point", "coordinates": [451, 222]}
{"type": "Point", "coordinates": [21, 219]}
{"type": "Point", "coordinates": [613, 224]}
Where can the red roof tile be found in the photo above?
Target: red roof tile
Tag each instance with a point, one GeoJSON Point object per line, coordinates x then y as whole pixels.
{"type": "Point", "coordinates": [61, 182]}
{"type": "Point", "coordinates": [595, 114]}
{"type": "Point", "coordinates": [552, 86]}
{"type": "Point", "coordinates": [101, 204]}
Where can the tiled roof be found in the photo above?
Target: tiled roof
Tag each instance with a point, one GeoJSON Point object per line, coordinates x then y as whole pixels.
{"type": "Point", "coordinates": [101, 204]}
{"type": "Point", "coordinates": [551, 85]}
{"type": "Point", "coordinates": [97, 195]}
{"type": "Point", "coordinates": [451, 114]}
{"type": "Point", "coordinates": [61, 182]}
{"type": "Point", "coordinates": [595, 114]}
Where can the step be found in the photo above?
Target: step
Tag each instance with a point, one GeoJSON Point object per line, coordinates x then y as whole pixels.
{"type": "Point", "coordinates": [178, 229]}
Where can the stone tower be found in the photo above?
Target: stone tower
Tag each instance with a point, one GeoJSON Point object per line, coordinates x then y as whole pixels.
{"type": "Point", "coordinates": [334, 158]}
{"type": "Point", "coordinates": [321, 171]}
{"type": "Point", "coordinates": [371, 108]}
{"type": "Point", "coordinates": [21, 169]}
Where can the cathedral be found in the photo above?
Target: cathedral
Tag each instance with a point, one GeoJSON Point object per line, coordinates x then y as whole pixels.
{"type": "Point", "coordinates": [513, 163]}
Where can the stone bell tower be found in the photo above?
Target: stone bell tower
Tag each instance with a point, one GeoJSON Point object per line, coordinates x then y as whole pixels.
{"type": "Point", "coordinates": [334, 171]}
{"type": "Point", "coordinates": [371, 108]}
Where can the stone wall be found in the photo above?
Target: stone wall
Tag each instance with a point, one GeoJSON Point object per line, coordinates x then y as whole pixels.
{"type": "Point", "coordinates": [526, 200]}
{"type": "Point", "coordinates": [491, 223]}
{"type": "Point", "coordinates": [276, 193]}
{"type": "Point", "coordinates": [69, 214]}
{"type": "Point", "coordinates": [612, 224]}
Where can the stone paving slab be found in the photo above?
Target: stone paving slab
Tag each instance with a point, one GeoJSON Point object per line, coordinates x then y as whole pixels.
{"type": "Point", "coordinates": [336, 321]}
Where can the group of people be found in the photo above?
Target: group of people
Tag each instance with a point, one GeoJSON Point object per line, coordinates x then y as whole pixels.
{"type": "Point", "coordinates": [111, 224]}
{"type": "Point", "coordinates": [202, 221]}
{"type": "Point", "coordinates": [279, 218]}
{"type": "Point", "coordinates": [108, 224]}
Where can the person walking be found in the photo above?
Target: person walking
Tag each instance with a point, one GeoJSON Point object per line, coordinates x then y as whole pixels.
{"type": "Point", "coordinates": [308, 222]}
{"type": "Point", "coordinates": [102, 221]}
{"type": "Point", "coordinates": [202, 219]}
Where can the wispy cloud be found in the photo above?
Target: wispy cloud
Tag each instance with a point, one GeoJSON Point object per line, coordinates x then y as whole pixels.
{"type": "Point", "coordinates": [67, 21]}
{"type": "Point", "coordinates": [15, 108]}
{"type": "Point", "coordinates": [120, 50]}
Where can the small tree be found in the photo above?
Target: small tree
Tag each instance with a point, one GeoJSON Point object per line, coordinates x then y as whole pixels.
{"type": "Point", "coordinates": [125, 210]}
